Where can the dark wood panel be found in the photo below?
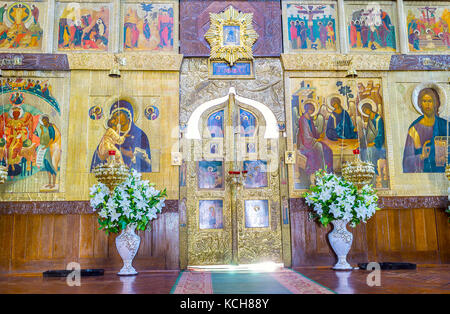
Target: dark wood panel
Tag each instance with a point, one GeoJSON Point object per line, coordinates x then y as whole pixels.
{"type": "Point", "coordinates": [310, 245]}
{"type": "Point", "coordinates": [6, 240]}
{"type": "Point", "coordinates": [406, 235]}
{"type": "Point", "coordinates": [62, 207]}
{"type": "Point", "coordinates": [402, 234]}
{"type": "Point", "coordinates": [35, 243]}
{"type": "Point", "coordinates": [443, 235]}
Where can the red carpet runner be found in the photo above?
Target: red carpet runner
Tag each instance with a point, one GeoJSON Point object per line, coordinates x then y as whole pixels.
{"type": "Point", "coordinates": [284, 281]}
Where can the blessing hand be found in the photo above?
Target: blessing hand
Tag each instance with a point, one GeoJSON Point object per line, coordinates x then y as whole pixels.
{"type": "Point", "coordinates": [425, 150]}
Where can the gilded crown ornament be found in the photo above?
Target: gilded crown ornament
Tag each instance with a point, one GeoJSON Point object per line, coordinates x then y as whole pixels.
{"type": "Point", "coordinates": [3, 174]}
{"type": "Point", "coordinates": [358, 172]}
{"type": "Point", "coordinates": [112, 173]}
{"type": "Point", "coordinates": [231, 36]}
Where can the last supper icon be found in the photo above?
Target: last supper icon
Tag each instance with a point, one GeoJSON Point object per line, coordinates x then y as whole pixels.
{"type": "Point", "coordinates": [231, 35]}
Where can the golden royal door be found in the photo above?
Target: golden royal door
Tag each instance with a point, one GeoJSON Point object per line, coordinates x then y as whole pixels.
{"type": "Point", "coordinates": [233, 190]}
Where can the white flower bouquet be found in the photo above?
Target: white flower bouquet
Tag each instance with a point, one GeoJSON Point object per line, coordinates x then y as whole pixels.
{"type": "Point", "coordinates": [333, 198]}
{"type": "Point", "coordinates": [135, 201]}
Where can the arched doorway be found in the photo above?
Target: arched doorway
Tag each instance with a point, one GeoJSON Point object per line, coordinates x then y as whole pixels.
{"type": "Point", "coordinates": [233, 186]}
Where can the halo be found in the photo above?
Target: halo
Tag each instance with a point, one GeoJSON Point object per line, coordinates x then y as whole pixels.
{"type": "Point", "coordinates": [440, 91]}
{"type": "Point", "coordinates": [116, 110]}
{"type": "Point", "coordinates": [313, 102]}
{"type": "Point", "coordinates": [42, 116]}
{"type": "Point", "coordinates": [113, 99]}
{"type": "Point", "coordinates": [15, 108]}
{"type": "Point", "coordinates": [343, 103]}
{"type": "Point", "coordinates": [24, 19]}
{"type": "Point", "coordinates": [367, 101]}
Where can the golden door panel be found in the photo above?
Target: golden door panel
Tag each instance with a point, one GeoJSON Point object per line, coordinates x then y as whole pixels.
{"type": "Point", "coordinates": [232, 141]}
{"type": "Point", "coordinates": [209, 223]}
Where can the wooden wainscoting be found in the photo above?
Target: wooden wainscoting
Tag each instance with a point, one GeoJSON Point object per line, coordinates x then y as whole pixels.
{"type": "Point", "coordinates": [404, 230]}
{"type": "Point", "coordinates": [33, 241]}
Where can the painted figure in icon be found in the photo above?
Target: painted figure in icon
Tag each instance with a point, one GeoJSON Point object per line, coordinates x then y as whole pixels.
{"type": "Point", "coordinates": [257, 173]}
{"type": "Point", "coordinates": [420, 149]}
{"type": "Point", "coordinates": [95, 112]}
{"type": "Point", "coordinates": [340, 125]}
{"type": "Point", "coordinates": [83, 28]}
{"type": "Point", "coordinates": [428, 28]}
{"type": "Point", "coordinates": [211, 212]}
{"type": "Point", "coordinates": [135, 149]}
{"type": "Point", "coordinates": [20, 28]}
{"type": "Point", "coordinates": [231, 35]}
{"type": "Point", "coordinates": [148, 26]}
{"type": "Point", "coordinates": [210, 175]}
{"type": "Point", "coordinates": [371, 28]}
{"type": "Point", "coordinates": [111, 140]}
{"type": "Point", "coordinates": [256, 214]}
{"type": "Point", "coordinates": [165, 27]}
{"type": "Point", "coordinates": [311, 26]}
{"type": "Point", "coordinates": [309, 142]}
{"type": "Point", "coordinates": [373, 149]}
{"type": "Point", "coordinates": [50, 145]}
{"type": "Point", "coordinates": [16, 130]}
{"type": "Point", "coordinates": [30, 140]}
{"type": "Point", "coordinates": [215, 124]}
{"type": "Point", "coordinates": [248, 123]}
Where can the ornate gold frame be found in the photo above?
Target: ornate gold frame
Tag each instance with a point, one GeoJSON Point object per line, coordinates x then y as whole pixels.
{"type": "Point", "coordinates": [247, 37]}
{"type": "Point", "coordinates": [229, 77]}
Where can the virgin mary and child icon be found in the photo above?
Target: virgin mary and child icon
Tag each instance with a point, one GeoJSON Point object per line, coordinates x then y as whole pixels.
{"type": "Point", "coordinates": [122, 135]}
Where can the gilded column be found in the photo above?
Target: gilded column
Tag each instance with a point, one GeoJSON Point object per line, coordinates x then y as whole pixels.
{"type": "Point", "coordinates": [49, 39]}
{"type": "Point", "coordinates": [235, 182]}
{"type": "Point", "coordinates": [403, 39]}
{"type": "Point", "coordinates": [342, 32]}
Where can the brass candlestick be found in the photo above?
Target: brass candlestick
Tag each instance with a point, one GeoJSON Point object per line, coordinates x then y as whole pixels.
{"type": "Point", "coordinates": [3, 174]}
{"type": "Point", "coordinates": [111, 173]}
{"type": "Point", "coordinates": [358, 172]}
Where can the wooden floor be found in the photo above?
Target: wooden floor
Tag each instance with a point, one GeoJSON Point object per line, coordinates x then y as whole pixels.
{"type": "Point", "coordinates": [425, 279]}
{"type": "Point", "coordinates": [145, 282]}
{"type": "Point", "coordinates": [434, 279]}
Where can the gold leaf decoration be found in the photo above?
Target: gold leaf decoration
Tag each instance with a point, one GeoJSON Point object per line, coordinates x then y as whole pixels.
{"type": "Point", "coordinates": [215, 36]}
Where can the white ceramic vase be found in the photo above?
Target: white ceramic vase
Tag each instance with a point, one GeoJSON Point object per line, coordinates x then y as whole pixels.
{"type": "Point", "coordinates": [341, 242]}
{"type": "Point", "coordinates": [127, 244]}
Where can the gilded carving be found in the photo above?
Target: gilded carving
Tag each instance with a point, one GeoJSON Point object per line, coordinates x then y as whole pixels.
{"type": "Point", "coordinates": [215, 245]}
{"type": "Point", "coordinates": [134, 61]}
{"type": "Point", "coordinates": [334, 62]}
{"type": "Point", "coordinates": [231, 36]}
{"type": "Point", "coordinates": [267, 87]}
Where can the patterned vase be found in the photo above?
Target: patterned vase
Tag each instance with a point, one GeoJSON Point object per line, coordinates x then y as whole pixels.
{"type": "Point", "coordinates": [341, 241]}
{"type": "Point", "coordinates": [127, 244]}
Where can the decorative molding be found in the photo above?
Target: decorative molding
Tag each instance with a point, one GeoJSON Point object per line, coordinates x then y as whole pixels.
{"type": "Point", "coordinates": [334, 62]}
{"type": "Point", "coordinates": [405, 202]}
{"type": "Point", "coordinates": [196, 89]}
{"type": "Point", "coordinates": [385, 62]}
{"type": "Point", "coordinates": [134, 61]}
{"type": "Point", "coordinates": [420, 63]}
{"type": "Point", "coordinates": [391, 202]}
{"type": "Point", "coordinates": [62, 207]}
{"type": "Point", "coordinates": [34, 61]}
